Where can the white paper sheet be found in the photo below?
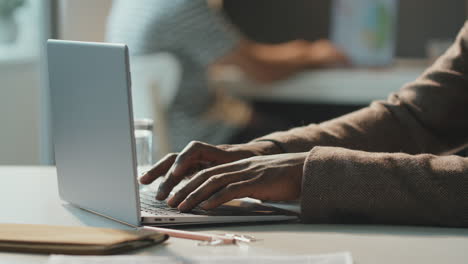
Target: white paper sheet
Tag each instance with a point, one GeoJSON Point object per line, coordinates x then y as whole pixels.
{"type": "Point", "coordinates": [335, 258]}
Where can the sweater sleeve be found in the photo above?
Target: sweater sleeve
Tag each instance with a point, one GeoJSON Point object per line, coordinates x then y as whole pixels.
{"type": "Point", "coordinates": [429, 115]}
{"type": "Point", "coordinates": [350, 186]}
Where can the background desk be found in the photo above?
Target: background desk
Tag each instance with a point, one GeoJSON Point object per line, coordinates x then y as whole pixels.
{"type": "Point", "coordinates": [29, 195]}
{"type": "Point", "coordinates": [317, 95]}
{"type": "Point", "coordinates": [347, 86]}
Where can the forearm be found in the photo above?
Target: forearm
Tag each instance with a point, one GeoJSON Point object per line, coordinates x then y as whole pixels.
{"type": "Point", "coordinates": [348, 186]}
{"type": "Point", "coordinates": [374, 128]}
{"type": "Point", "coordinates": [255, 148]}
{"type": "Point", "coordinates": [290, 52]}
{"type": "Point", "coordinates": [426, 116]}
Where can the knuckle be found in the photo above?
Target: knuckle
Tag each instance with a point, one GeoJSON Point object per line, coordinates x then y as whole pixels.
{"type": "Point", "coordinates": [179, 159]}
{"type": "Point", "coordinates": [204, 171]}
{"type": "Point", "coordinates": [215, 179]}
{"type": "Point", "coordinates": [223, 147]}
{"type": "Point", "coordinates": [208, 172]}
{"type": "Point", "coordinates": [189, 151]}
{"type": "Point", "coordinates": [232, 188]}
{"type": "Point", "coordinates": [182, 159]}
{"type": "Point", "coordinates": [182, 155]}
{"type": "Point", "coordinates": [194, 144]}
{"type": "Point", "coordinates": [202, 174]}
{"type": "Point", "coordinates": [192, 197]}
{"type": "Point", "coordinates": [171, 155]}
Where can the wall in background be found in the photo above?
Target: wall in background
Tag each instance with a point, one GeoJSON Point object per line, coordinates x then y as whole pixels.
{"type": "Point", "coordinates": [423, 20]}
{"type": "Point", "coordinates": [24, 116]}
{"type": "Point", "coordinates": [277, 20]}
{"type": "Point", "coordinates": [19, 113]}
{"type": "Point", "coordinates": [83, 20]}
{"type": "Point", "coordinates": [20, 89]}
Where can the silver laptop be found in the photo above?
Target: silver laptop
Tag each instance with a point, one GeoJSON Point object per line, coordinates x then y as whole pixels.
{"type": "Point", "coordinates": [94, 142]}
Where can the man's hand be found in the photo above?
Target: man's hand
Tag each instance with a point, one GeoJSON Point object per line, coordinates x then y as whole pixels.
{"type": "Point", "coordinates": [272, 177]}
{"type": "Point", "coordinates": [266, 63]}
{"type": "Point", "coordinates": [197, 156]}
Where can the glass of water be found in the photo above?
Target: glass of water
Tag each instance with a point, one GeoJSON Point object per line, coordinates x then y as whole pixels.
{"type": "Point", "coordinates": [144, 142]}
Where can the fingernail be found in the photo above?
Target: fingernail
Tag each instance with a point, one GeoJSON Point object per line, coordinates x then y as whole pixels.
{"type": "Point", "coordinates": [171, 202]}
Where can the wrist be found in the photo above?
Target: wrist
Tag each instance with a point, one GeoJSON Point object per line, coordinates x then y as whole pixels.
{"type": "Point", "coordinates": [265, 147]}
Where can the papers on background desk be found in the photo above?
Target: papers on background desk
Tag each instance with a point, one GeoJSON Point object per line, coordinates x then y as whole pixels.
{"type": "Point", "coordinates": [336, 258]}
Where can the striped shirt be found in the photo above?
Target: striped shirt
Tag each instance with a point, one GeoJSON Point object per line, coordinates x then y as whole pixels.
{"type": "Point", "coordinates": [196, 35]}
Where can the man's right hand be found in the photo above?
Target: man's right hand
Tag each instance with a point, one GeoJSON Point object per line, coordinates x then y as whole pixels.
{"type": "Point", "coordinates": [197, 156]}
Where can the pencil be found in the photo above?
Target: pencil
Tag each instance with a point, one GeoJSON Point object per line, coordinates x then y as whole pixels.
{"type": "Point", "coordinates": [191, 235]}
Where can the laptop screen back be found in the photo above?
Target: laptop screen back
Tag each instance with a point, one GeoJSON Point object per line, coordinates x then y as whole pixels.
{"type": "Point", "coordinates": [92, 127]}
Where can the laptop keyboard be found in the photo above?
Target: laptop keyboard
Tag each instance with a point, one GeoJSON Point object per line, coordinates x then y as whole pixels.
{"type": "Point", "coordinates": [149, 204]}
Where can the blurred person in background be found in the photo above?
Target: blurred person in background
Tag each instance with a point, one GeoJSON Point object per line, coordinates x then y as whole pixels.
{"type": "Point", "coordinates": [199, 36]}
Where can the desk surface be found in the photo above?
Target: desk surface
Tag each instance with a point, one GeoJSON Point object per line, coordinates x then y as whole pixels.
{"type": "Point", "coordinates": [29, 195]}
{"type": "Point", "coordinates": [356, 86]}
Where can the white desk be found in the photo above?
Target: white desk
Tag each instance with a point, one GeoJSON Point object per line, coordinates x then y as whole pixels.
{"type": "Point", "coordinates": [29, 195]}
{"type": "Point", "coordinates": [355, 86]}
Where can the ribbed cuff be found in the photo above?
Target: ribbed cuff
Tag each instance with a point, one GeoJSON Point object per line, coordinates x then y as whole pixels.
{"type": "Point", "coordinates": [357, 187]}
{"type": "Point", "coordinates": [314, 203]}
{"type": "Point", "coordinates": [348, 186]}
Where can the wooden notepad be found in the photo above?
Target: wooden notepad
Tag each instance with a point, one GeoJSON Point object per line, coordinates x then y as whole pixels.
{"type": "Point", "coordinates": [74, 240]}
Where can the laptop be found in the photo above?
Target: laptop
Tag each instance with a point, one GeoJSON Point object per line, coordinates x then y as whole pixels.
{"type": "Point", "coordinates": [92, 125]}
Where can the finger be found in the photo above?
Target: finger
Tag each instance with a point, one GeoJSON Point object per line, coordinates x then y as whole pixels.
{"type": "Point", "coordinates": [193, 154]}
{"type": "Point", "coordinates": [224, 146]}
{"type": "Point", "coordinates": [211, 186]}
{"type": "Point", "coordinates": [199, 179]}
{"type": "Point", "coordinates": [185, 162]}
{"type": "Point", "coordinates": [189, 187]}
{"type": "Point", "coordinates": [171, 180]}
{"type": "Point", "coordinates": [159, 169]}
{"type": "Point", "coordinates": [232, 191]}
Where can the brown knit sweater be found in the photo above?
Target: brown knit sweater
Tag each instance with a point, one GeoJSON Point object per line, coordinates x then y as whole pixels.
{"type": "Point", "coordinates": [390, 162]}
